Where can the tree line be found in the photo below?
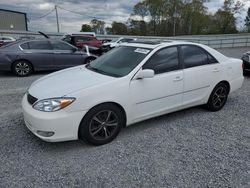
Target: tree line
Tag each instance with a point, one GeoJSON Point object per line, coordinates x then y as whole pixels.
{"type": "Point", "coordinates": [174, 17]}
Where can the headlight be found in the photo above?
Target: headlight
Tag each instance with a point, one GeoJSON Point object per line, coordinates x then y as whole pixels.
{"type": "Point", "coordinates": [52, 105]}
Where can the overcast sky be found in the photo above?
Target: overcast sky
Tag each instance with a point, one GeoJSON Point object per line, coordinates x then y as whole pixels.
{"type": "Point", "coordinates": [107, 10]}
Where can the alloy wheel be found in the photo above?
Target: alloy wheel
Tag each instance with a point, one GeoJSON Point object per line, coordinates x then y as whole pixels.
{"type": "Point", "coordinates": [22, 68]}
{"type": "Point", "coordinates": [103, 125]}
{"type": "Point", "coordinates": [220, 97]}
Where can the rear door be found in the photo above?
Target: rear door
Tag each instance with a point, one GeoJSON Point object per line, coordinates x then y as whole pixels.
{"type": "Point", "coordinates": [66, 55]}
{"type": "Point", "coordinates": [201, 73]}
{"type": "Point", "coordinates": [39, 53]}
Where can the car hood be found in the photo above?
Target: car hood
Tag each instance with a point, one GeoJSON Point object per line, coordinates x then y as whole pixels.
{"type": "Point", "coordinates": [68, 81]}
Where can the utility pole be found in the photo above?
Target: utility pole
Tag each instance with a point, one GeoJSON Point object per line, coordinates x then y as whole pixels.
{"type": "Point", "coordinates": [57, 20]}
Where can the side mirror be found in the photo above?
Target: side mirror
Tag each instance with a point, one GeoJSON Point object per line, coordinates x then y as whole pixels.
{"type": "Point", "coordinates": [145, 73]}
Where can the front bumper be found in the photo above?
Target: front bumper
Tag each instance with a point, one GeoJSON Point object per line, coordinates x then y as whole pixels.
{"type": "Point", "coordinates": [63, 124]}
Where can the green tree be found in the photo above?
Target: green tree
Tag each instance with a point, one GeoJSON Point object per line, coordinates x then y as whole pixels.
{"type": "Point", "coordinates": [224, 19]}
{"type": "Point", "coordinates": [141, 10]}
{"type": "Point", "coordinates": [247, 20]}
{"type": "Point", "coordinates": [98, 26]}
{"type": "Point", "coordinates": [86, 28]}
{"type": "Point", "coordinates": [119, 28]}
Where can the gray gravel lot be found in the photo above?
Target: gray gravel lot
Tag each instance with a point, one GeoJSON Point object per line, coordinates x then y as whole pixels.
{"type": "Point", "coordinates": [191, 148]}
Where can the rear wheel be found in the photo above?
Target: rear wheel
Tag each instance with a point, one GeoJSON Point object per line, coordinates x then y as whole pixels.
{"type": "Point", "coordinates": [218, 97]}
{"type": "Point", "coordinates": [22, 68]}
{"type": "Point", "coordinates": [101, 124]}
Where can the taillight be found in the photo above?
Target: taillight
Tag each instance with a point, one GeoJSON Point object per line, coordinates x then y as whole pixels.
{"type": "Point", "coordinates": [242, 66]}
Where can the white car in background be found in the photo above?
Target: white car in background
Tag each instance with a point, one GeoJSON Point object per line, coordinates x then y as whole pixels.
{"type": "Point", "coordinates": [6, 40]}
{"type": "Point", "coordinates": [116, 42]}
{"type": "Point", "coordinates": [131, 83]}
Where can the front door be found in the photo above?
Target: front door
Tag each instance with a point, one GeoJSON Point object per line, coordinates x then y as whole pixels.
{"type": "Point", "coordinates": [162, 93]}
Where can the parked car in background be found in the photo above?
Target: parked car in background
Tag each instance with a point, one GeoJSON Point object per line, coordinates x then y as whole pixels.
{"type": "Point", "coordinates": [105, 40]}
{"type": "Point", "coordinates": [131, 83]}
{"type": "Point", "coordinates": [79, 40]}
{"type": "Point", "coordinates": [246, 62]}
{"type": "Point", "coordinates": [26, 38]}
{"type": "Point", "coordinates": [25, 57]}
{"type": "Point", "coordinates": [6, 40]}
{"type": "Point", "coordinates": [116, 42]}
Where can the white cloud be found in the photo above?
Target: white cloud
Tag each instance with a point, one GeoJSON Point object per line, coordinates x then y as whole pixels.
{"type": "Point", "coordinates": [45, 6]}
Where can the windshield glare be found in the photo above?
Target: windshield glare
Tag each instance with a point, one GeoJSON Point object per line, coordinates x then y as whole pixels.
{"type": "Point", "coordinates": [120, 61]}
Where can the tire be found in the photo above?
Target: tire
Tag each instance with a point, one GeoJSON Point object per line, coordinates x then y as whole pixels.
{"type": "Point", "coordinates": [88, 60]}
{"type": "Point", "coordinates": [218, 97]}
{"type": "Point", "coordinates": [22, 68]}
{"type": "Point", "coordinates": [101, 124]}
{"type": "Point", "coordinates": [245, 73]}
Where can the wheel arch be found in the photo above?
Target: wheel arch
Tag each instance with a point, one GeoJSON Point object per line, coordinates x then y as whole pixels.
{"type": "Point", "coordinates": [113, 103]}
{"type": "Point", "coordinates": [226, 83]}
{"type": "Point", "coordinates": [12, 64]}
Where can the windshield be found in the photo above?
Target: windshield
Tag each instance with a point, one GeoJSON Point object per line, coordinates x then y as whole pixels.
{"type": "Point", "coordinates": [119, 62]}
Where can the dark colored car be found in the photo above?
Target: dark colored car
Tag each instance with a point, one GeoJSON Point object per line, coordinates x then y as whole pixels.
{"type": "Point", "coordinates": [246, 62]}
{"type": "Point", "coordinates": [80, 40]}
{"type": "Point", "coordinates": [25, 57]}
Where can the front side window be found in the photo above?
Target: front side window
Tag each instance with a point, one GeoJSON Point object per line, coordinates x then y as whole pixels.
{"type": "Point", "coordinates": [57, 45]}
{"type": "Point", "coordinates": [39, 45]}
{"type": "Point", "coordinates": [195, 56]}
{"type": "Point", "coordinates": [164, 60]}
{"type": "Point", "coordinates": [120, 61]}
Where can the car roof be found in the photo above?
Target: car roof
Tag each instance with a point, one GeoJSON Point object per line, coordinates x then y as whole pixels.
{"type": "Point", "coordinates": [155, 44]}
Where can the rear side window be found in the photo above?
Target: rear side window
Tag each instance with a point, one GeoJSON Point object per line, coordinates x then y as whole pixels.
{"type": "Point", "coordinates": [36, 45]}
{"type": "Point", "coordinates": [164, 60]}
{"type": "Point", "coordinates": [25, 46]}
{"type": "Point", "coordinates": [57, 45]}
{"type": "Point", "coordinates": [195, 56]}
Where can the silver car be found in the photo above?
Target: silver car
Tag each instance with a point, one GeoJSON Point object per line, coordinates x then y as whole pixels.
{"type": "Point", "coordinates": [25, 57]}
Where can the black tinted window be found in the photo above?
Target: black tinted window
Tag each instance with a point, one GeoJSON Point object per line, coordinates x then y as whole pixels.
{"type": "Point", "coordinates": [164, 60]}
{"type": "Point", "coordinates": [39, 45]}
{"type": "Point", "coordinates": [57, 45]}
{"type": "Point", "coordinates": [67, 38]}
{"type": "Point", "coordinates": [194, 56]}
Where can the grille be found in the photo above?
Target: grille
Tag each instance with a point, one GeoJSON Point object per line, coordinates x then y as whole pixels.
{"type": "Point", "coordinates": [31, 99]}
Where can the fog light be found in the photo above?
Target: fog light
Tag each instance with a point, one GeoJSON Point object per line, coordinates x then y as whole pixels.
{"type": "Point", "coordinates": [45, 133]}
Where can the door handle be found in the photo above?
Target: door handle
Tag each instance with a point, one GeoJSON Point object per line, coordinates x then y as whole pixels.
{"type": "Point", "coordinates": [178, 78]}
{"type": "Point", "coordinates": [216, 70]}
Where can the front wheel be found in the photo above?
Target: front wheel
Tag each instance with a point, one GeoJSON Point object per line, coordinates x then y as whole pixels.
{"type": "Point", "coordinates": [101, 124]}
{"type": "Point", "coordinates": [218, 97]}
{"type": "Point", "coordinates": [22, 68]}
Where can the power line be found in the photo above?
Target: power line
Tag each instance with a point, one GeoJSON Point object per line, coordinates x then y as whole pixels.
{"type": "Point", "coordinates": [75, 12]}
{"type": "Point", "coordinates": [48, 13]}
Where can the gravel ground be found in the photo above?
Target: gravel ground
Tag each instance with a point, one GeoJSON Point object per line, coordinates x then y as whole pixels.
{"type": "Point", "coordinates": [190, 148]}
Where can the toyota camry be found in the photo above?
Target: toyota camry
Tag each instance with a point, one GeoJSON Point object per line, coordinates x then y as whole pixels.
{"type": "Point", "coordinates": [130, 83]}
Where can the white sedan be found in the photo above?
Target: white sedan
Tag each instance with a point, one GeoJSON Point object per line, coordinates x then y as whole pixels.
{"type": "Point", "coordinates": [131, 83]}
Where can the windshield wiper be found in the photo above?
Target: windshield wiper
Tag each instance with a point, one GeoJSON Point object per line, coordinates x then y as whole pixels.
{"type": "Point", "coordinates": [88, 66]}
